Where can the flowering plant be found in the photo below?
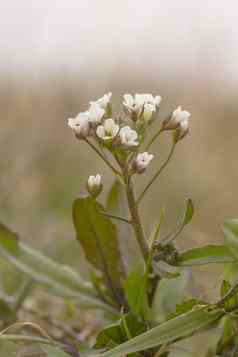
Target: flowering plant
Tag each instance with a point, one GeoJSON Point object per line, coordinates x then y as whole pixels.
{"type": "Point", "coordinates": [127, 295]}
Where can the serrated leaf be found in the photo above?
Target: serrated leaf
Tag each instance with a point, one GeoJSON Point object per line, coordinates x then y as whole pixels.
{"type": "Point", "coordinates": [189, 212]}
{"type": "Point", "coordinates": [42, 269]}
{"type": "Point", "coordinates": [179, 327]}
{"type": "Point", "coordinates": [205, 255]}
{"type": "Point", "coordinates": [98, 237]}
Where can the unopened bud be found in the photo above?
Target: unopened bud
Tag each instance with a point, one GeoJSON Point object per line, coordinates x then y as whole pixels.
{"type": "Point", "coordinates": [141, 162]}
{"type": "Point", "coordinates": [181, 131]}
{"type": "Point", "coordinates": [173, 121]}
{"type": "Point", "coordinates": [94, 185]}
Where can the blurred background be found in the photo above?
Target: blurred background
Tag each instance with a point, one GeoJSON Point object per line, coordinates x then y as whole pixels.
{"type": "Point", "coordinates": [56, 56]}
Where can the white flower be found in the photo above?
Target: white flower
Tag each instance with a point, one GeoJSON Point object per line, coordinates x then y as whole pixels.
{"type": "Point", "coordinates": [95, 113]}
{"type": "Point", "coordinates": [149, 109]}
{"type": "Point", "coordinates": [108, 130]}
{"type": "Point", "coordinates": [80, 124]}
{"type": "Point", "coordinates": [104, 101]}
{"type": "Point", "coordinates": [94, 185]}
{"type": "Point", "coordinates": [128, 136]}
{"type": "Point", "coordinates": [142, 99]}
{"type": "Point", "coordinates": [142, 161]}
{"type": "Point", "coordinates": [141, 103]}
{"type": "Point", "coordinates": [174, 121]}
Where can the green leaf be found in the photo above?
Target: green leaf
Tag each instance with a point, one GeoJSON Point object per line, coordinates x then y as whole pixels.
{"type": "Point", "coordinates": [205, 255]}
{"type": "Point", "coordinates": [118, 333]}
{"type": "Point", "coordinates": [8, 348]}
{"type": "Point", "coordinates": [135, 289]}
{"type": "Point", "coordinates": [179, 327]}
{"type": "Point", "coordinates": [98, 237]}
{"type": "Point", "coordinates": [232, 302]}
{"type": "Point", "coordinates": [114, 198]}
{"type": "Point", "coordinates": [187, 306]}
{"type": "Point", "coordinates": [42, 269]}
{"type": "Point", "coordinates": [230, 230]}
{"type": "Point", "coordinates": [189, 212]}
{"type": "Point", "coordinates": [54, 351]}
{"type": "Point", "coordinates": [7, 314]}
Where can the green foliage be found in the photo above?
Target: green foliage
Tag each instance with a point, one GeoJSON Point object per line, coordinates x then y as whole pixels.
{"type": "Point", "coordinates": [136, 293]}
{"type": "Point", "coordinates": [42, 269]}
{"type": "Point", "coordinates": [98, 237]}
{"type": "Point", "coordinates": [179, 327]}
{"type": "Point", "coordinates": [206, 255]}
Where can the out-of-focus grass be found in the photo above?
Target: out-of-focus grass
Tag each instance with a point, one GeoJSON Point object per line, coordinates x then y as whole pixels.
{"type": "Point", "coordinates": [43, 168]}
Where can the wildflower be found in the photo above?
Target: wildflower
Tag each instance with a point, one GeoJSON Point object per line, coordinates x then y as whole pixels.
{"type": "Point", "coordinates": [104, 101]}
{"type": "Point", "coordinates": [142, 161]}
{"type": "Point", "coordinates": [108, 130]}
{"type": "Point", "coordinates": [141, 106]}
{"type": "Point", "coordinates": [178, 116]}
{"type": "Point", "coordinates": [94, 185]}
{"type": "Point", "coordinates": [128, 136]}
{"type": "Point", "coordinates": [80, 125]}
{"type": "Point", "coordinates": [95, 113]}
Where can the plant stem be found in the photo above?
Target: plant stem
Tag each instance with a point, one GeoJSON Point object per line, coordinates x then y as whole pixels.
{"type": "Point", "coordinates": [153, 139]}
{"type": "Point", "coordinates": [135, 218]}
{"type": "Point", "coordinates": [157, 174]}
{"type": "Point", "coordinates": [122, 219]}
{"type": "Point", "coordinates": [107, 162]}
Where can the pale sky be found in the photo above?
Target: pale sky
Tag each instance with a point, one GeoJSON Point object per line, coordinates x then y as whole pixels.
{"type": "Point", "coordinates": [73, 34]}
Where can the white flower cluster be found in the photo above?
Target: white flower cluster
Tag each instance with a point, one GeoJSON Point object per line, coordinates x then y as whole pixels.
{"type": "Point", "coordinates": [141, 110]}
{"type": "Point", "coordinates": [141, 106]}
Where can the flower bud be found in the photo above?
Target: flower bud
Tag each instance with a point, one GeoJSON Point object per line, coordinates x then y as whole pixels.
{"type": "Point", "coordinates": [94, 185]}
{"type": "Point", "coordinates": [104, 101]}
{"type": "Point", "coordinates": [95, 113]}
{"type": "Point", "coordinates": [108, 130]}
{"type": "Point", "coordinates": [141, 162]}
{"type": "Point", "coordinates": [80, 125]}
{"type": "Point", "coordinates": [177, 117]}
{"type": "Point", "coordinates": [141, 106]}
{"type": "Point", "coordinates": [182, 130]}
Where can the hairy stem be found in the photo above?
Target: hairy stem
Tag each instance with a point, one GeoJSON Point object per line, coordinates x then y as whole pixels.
{"type": "Point", "coordinates": [157, 174]}
{"type": "Point", "coordinates": [135, 218]}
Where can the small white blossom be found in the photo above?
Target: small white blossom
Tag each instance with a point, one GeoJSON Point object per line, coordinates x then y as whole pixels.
{"type": "Point", "coordinates": [94, 185]}
{"type": "Point", "coordinates": [80, 125]}
{"type": "Point", "coordinates": [145, 104]}
{"type": "Point", "coordinates": [128, 136]}
{"type": "Point", "coordinates": [108, 130]}
{"type": "Point", "coordinates": [104, 101]}
{"type": "Point", "coordinates": [142, 161]}
{"type": "Point", "coordinates": [174, 121]}
{"type": "Point", "coordinates": [95, 113]}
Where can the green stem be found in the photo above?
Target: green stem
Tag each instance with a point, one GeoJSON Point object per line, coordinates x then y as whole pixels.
{"type": "Point", "coordinates": [135, 218]}
{"type": "Point", "coordinates": [153, 139]}
{"type": "Point", "coordinates": [107, 162]}
{"type": "Point", "coordinates": [157, 173]}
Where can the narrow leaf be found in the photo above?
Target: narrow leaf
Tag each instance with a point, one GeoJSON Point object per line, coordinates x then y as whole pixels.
{"type": "Point", "coordinates": [42, 269]}
{"type": "Point", "coordinates": [179, 327]}
{"type": "Point", "coordinates": [189, 212]}
{"type": "Point", "coordinates": [230, 230]}
{"type": "Point", "coordinates": [205, 255]}
{"type": "Point", "coordinates": [53, 351]}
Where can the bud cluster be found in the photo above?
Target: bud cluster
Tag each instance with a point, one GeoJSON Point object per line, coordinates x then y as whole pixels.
{"type": "Point", "coordinates": [124, 136]}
